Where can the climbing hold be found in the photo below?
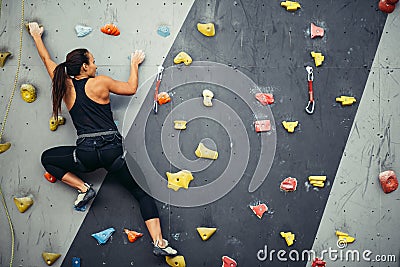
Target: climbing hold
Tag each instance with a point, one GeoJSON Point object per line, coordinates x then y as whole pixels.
{"type": "Point", "coordinates": [132, 235]}
{"type": "Point", "coordinates": [103, 236]}
{"type": "Point", "coordinates": [4, 147]}
{"type": "Point", "coordinates": [318, 58]}
{"type": "Point", "coordinates": [207, 97]}
{"type": "Point", "coordinates": [50, 258]}
{"type": "Point", "coordinates": [23, 203]}
{"type": "Point", "coordinates": [176, 261]}
{"type": "Point", "coordinates": [346, 100]}
{"type": "Point", "coordinates": [289, 184]}
{"type": "Point", "coordinates": [28, 93]}
{"type": "Point", "coordinates": [388, 181]}
{"type": "Point", "coordinates": [392, 1]}
{"type": "Point", "coordinates": [82, 30]}
{"type": "Point", "coordinates": [205, 233]}
{"type": "Point", "coordinates": [179, 179]}
{"type": "Point", "coordinates": [318, 181]}
{"type": "Point", "coordinates": [3, 57]}
{"type": "Point", "coordinates": [110, 29]}
{"type": "Point", "coordinates": [259, 210]}
{"type": "Point", "coordinates": [180, 125]}
{"type": "Point", "coordinates": [203, 152]}
{"type": "Point", "coordinates": [289, 237]}
{"type": "Point", "coordinates": [344, 238]}
{"type": "Point", "coordinates": [262, 126]}
{"type": "Point", "coordinates": [316, 31]}
{"type": "Point", "coordinates": [54, 123]}
{"type": "Point", "coordinates": [228, 262]}
{"type": "Point", "coordinates": [207, 29]}
{"type": "Point", "coordinates": [291, 5]}
{"type": "Point", "coordinates": [163, 98]}
{"type": "Point", "coordinates": [317, 262]}
{"type": "Point", "coordinates": [183, 57]}
{"type": "Point", "coordinates": [265, 99]}
{"type": "Point", "coordinates": [163, 31]}
{"type": "Point", "coordinates": [50, 177]}
{"type": "Point", "coordinates": [386, 6]}
{"type": "Point", "coordinates": [290, 125]}
{"type": "Point", "coordinates": [76, 262]}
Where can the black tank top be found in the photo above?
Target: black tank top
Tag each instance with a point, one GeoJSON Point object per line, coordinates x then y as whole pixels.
{"type": "Point", "coordinates": [89, 116]}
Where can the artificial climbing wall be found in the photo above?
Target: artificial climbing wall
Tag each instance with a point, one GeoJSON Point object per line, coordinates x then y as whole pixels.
{"type": "Point", "coordinates": [258, 47]}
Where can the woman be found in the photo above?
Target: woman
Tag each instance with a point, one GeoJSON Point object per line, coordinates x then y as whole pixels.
{"type": "Point", "coordinates": [99, 145]}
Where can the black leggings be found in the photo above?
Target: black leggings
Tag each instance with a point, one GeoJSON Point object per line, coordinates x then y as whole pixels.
{"type": "Point", "coordinates": [94, 153]}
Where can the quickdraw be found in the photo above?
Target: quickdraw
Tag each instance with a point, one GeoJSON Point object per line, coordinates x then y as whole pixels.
{"type": "Point", "coordinates": [311, 103]}
{"type": "Point", "coordinates": [159, 77]}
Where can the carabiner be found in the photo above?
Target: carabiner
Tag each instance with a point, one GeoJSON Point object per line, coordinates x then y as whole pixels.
{"type": "Point", "coordinates": [310, 77]}
{"type": "Point", "coordinates": [310, 107]}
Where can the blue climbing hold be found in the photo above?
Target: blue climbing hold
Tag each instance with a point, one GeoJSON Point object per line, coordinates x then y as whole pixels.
{"type": "Point", "coordinates": [76, 262]}
{"type": "Point", "coordinates": [82, 31]}
{"type": "Point", "coordinates": [82, 209]}
{"type": "Point", "coordinates": [163, 31]}
{"type": "Point", "coordinates": [103, 236]}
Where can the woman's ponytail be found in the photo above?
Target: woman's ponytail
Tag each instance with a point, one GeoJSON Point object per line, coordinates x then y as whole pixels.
{"type": "Point", "coordinates": [59, 88]}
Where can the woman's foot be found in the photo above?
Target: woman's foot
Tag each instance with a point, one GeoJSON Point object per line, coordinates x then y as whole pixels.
{"type": "Point", "coordinates": [163, 249]}
{"type": "Point", "coordinates": [84, 197]}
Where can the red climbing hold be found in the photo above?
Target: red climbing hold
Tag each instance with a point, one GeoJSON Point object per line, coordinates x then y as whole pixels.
{"type": "Point", "coordinates": [388, 181]}
{"type": "Point", "coordinates": [392, 2]}
{"type": "Point", "coordinates": [228, 262]}
{"type": "Point", "coordinates": [386, 7]}
{"type": "Point", "coordinates": [289, 184]}
{"type": "Point", "coordinates": [265, 99]}
{"type": "Point", "coordinates": [132, 235]}
{"type": "Point", "coordinates": [318, 263]}
{"type": "Point", "coordinates": [262, 126]}
{"type": "Point", "coordinates": [50, 177]}
{"type": "Point", "coordinates": [259, 209]}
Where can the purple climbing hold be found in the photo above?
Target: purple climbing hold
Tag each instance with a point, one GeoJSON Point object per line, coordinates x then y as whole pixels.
{"type": "Point", "coordinates": [103, 236]}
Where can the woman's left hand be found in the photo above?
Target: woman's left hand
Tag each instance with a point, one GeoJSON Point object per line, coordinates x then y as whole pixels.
{"type": "Point", "coordinates": [35, 30]}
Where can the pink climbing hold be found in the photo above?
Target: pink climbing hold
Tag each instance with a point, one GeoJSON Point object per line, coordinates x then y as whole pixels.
{"type": "Point", "coordinates": [259, 209]}
{"type": "Point", "coordinates": [228, 262]}
{"type": "Point", "coordinates": [262, 126]}
{"type": "Point", "coordinates": [265, 99]}
{"type": "Point", "coordinates": [388, 181]}
{"type": "Point", "coordinates": [289, 184]}
{"type": "Point", "coordinates": [316, 31]}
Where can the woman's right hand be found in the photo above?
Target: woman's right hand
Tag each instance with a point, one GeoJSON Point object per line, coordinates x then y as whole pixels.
{"type": "Point", "coordinates": [35, 30]}
{"type": "Point", "coordinates": [137, 57]}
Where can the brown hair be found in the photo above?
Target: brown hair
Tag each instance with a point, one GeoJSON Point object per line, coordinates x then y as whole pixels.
{"type": "Point", "coordinates": [71, 67]}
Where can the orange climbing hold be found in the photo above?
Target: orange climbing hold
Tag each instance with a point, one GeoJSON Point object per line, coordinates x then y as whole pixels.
{"type": "Point", "coordinates": [265, 99]}
{"type": "Point", "coordinates": [228, 262]}
{"type": "Point", "coordinates": [132, 235]}
{"type": "Point", "coordinates": [316, 31]}
{"type": "Point", "coordinates": [50, 177]}
{"type": "Point", "coordinates": [110, 29]}
{"type": "Point", "coordinates": [163, 98]}
{"type": "Point", "coordinates": [259, 210]}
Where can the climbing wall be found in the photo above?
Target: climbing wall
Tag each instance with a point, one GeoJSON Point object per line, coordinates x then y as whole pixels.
{"type": "Point", "coordinates": [259, 47]}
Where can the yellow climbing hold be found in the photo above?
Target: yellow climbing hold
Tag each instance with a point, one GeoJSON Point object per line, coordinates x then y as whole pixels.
{"type": "Point", "coordinates": [28, 93]}
{"type": "Point", "coordinates": [23, 203]}
{"type": "Point", "coordinates": [180, 125]}
{"type": "Point", "coordinates": [346, 100]}
{"type": "Point", "coordinates": [205, 233]}
{"type": "Point", "coordinates": [289, 237]}
{"type": "Point", "coordinates": [179, 179]}
{"type": "Point", "coordinates": [318, 58]}
{"type": "Point", "coordinates": [4, 147]}
{"type": "Point", "coordinates": [291, 5]}
{"type": "Point", "coordinates": [3, 57]}
{"type": "Point", "coordinates": [203, 152]}
{"type": "Point", "coordinates": [176, 261]}
{"type": "Point", "coordinates": [318, 181]}
{"type": "Point", "coordinates": [54, 123]}
{"type": "Point", "coordinates": [207, 97]}
{"type": "Point", "coordinates": [207, 29]}
{"type": "Point", "coordinates": [183, 57]}
{"type": "Point", "coordinates": [290, 125]}
{"type": "Point", "coordinates": [345, 238]}
{"type": "Point", "coordinates": [50, 258]}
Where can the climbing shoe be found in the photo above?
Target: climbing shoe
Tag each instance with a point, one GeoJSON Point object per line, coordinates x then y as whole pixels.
{"type": "Point", "coordinates": [84, 197]}
{"type": "Point", "coordinates": [165, 251]}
